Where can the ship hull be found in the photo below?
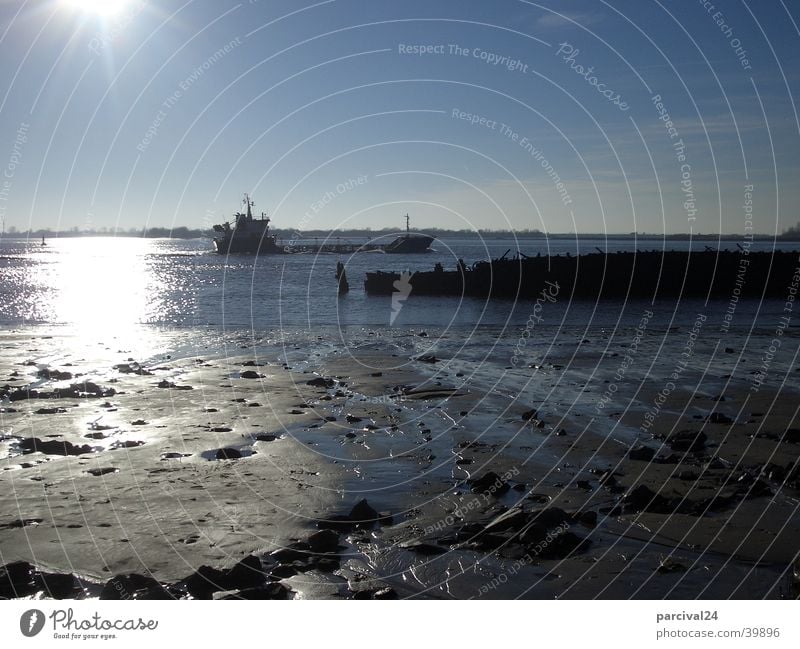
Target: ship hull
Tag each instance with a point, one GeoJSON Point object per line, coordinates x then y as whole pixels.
{"type": "Point", "coordinates": [246, 245]}
{"type": "Point", "coordinates": [409, 245]}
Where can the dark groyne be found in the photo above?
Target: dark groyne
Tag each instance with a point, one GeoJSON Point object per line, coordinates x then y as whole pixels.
{"type": "Point", "coordinates": [650, 274]}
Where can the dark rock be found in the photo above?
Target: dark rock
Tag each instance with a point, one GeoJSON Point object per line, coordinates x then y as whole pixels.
{"type": "Point", "coordinates": [426, 358]}
{"type": "Point", "coordinates": [50, 411]}
{"type": "Point", "coordinates": [228, 454]}
{"type": "Point", "coordinates": [54, 375]}
{"type": "Point", "coordinates": [132, 368]}
{"type": "Point", "coordinates": [792, 436]}
{"type": "Point", "coordinates": [489, 483]}
{"type": "Point", "coordinates": [283, 571]}
{"type": "Point", "coordinates": [265, 437]}
{"type": "Point", "coordinates": [248, 573]}
{"type": "Point", "coordinates": [250, 374]}
{"type": "Point", "coordinates": [643, 498]}
{"type": "Point", "coordinates": [530, 414]}
{"type": "Point", "coordinates": [324, 541]}
{"type": "Point", "coordinates": [641, 453]}
{"type": "Point", "coordinates": [133, 586]}
{"type": "Point", "coordinates": [139, 422]}
{"type": "Point", "coordinates": [205, 581]}
{"type": "Point", "coordinates": [425, 549]}
{"type": "Point", "coordinates": [267, 591]}
{"type": "Point", "coordinates": [294, 552]}
{"type": "Point", "coordinates": [103, 471]}
{"type": "Point", "coordinates": [352, 419]}
{"type": "Point", "coordinates": [128, 443]}
{"type": "Point", "coordinates": [687, 441]}
{"type": "Point", "coordinates": [587, 518]}
{"type": "Point", "coordinates": [17, 580]}
{"type": "Point", "coordinates": [60, 586]}
{"type": "Point", "coordinates": [719, 418]}
{"type": "Point", "coordinates": [321, 382]}
{"type": "Point", "coordinates": [50, 447]}
{"type": "Point", "coordinates": [363, 514]}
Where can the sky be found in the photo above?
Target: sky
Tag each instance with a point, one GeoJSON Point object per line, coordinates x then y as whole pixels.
{"type": "Point", "coordinates": [571, 116]}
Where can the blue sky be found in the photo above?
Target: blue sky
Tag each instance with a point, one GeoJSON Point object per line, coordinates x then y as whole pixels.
{"type": "Point", "coordinates": [164, 113]}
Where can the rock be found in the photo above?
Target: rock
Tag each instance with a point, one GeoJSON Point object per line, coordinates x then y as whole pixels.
{"type": "Point", "coordinates": [204, 582]}
{"type": "Point", "coordinates": [321, 382]}
{"type": "Point", "coordinates": [59, 586]}
{"type": "Point", "coordinates": [587, 518]}
{"type": "Point", "coordinates": [265, 437]}
{"type": "Point", "coordinates": [133, 586]}
{"type": "Point", "coordinates": [643, 498]}
{"type": "Point", "coordinates": [384, 593]}
{"type": "Point", "coordinates": [719, 418]}
{"type": "Point", "coordinates": [53, 375]}
{"type": "Point", "coordinates": [363, 514]}
{"type": "Point", "coordinates": [103, 471]}
{"type": "Point", "coordinates": [687, 441]}
{"type": "Point", "coordinates": [425, 549]}
{"type": "Point", "coordinates": [50, 411]}
{"type": "Point", "coordinates": [324, 541]}
{"type": "Point", "coordinates": [17, 580]}
{"type": "Point", "coordinates": [248, 573]}
{"type": "Point", "coordinates": [530, 414]}
{"type": "Point", "coordinates": [641, 453]}
{"type": "Point", "coordinates": [228, 454]}
{"type": "Point", "coordinates": [426, 358]}
{"type": "Point", "coordinates": [250, 374]}
{"type": "Point", "coordinates": [139, 422]}
{"type": "Point", "coordinates": [489, 483]}
{"type": "Point", "coordinates": [668, 565]}
{"type": "Point", "coordinates": [50, 447]}
{"type": "Point", "coordinates": [352, 419]}
{"type": "Point", "coordinates": [792, 436]}
{"type": "Point", "coordinates": [283, 571]}
{"type": "Point", "coordinates": [267, 591]}
{"type": "Point", "coordinates": [132, 368]}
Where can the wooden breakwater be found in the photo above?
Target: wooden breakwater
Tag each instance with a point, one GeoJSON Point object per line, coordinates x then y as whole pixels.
{"type": "Point", "coordinates": [649, 274]}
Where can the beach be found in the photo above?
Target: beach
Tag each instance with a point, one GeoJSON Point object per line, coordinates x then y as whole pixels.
{"type": "Point", "coordinates": [643, 461]}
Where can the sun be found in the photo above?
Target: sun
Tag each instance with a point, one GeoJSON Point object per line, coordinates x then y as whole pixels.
{"type": "Point", "coordinates": [98, 7]}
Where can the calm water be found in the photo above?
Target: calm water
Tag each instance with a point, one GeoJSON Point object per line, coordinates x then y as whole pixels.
{"type": "Point", "coordinates": [110, 284]}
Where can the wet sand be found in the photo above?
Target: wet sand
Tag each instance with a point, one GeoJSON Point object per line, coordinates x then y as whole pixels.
{"type": "Point", "coordinates": [247, 457]}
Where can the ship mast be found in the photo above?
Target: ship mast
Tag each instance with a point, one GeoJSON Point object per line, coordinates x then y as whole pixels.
{"type": "Point", "coordinates": [249, 204]}
{"type": "Point", "coordinates": [408, 227]}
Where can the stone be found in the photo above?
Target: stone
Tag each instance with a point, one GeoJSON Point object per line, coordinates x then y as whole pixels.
{"type": "Point", "coordinates": [489, 483]}
{"type": "Point", "coordinates": [321, 382]}
{"type": "Point", "coordinates": [641, 453]}
{"type": "Point", "coordinates": [687, 441]}
{"type": "Point", "coordinates": [248, 573]}
{"type": "Point", "coordinates": [324, 541]}
{"type": "Point", "coordinates": [363, 514]}
{"type": "Point", "coordinates": [133, 586]}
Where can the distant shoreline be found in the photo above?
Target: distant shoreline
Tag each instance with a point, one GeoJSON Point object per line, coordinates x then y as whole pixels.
{"type": "Point", "coordinates": [186, 233]}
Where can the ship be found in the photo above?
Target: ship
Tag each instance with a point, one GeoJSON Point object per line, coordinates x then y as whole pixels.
{"type": "Point", "coordinates": [409, 243]}
{"type": "Point", "coordinates": [247, 234]}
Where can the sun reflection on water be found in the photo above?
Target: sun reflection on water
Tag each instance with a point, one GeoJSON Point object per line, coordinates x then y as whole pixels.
{"type": "Point", "coordinates": [98, 287]}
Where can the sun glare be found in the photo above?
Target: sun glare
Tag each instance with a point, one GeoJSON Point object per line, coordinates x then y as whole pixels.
{"type": "Point", "coordinates": [98, 7]}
